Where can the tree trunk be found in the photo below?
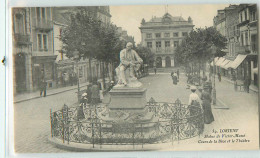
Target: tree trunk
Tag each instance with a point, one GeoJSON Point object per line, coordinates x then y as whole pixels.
{"type": "Point", "coordinates": [90, 70]}
{"type": "Point", "coordinates": [103, 75]}
{"type": "Point", "coordinates": [113, 72]}
{"type": "Point", "coordinates": [199, 72]}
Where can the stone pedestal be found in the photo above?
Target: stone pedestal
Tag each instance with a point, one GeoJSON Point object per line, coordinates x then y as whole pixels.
{"type": "Point", "coordinates": [127, 99]}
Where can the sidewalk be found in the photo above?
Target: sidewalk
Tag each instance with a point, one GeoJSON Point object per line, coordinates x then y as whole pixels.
{"type": "Point", "coordinates": [252, 88]}
{"type": "Point", "coordinates": [34, 95]}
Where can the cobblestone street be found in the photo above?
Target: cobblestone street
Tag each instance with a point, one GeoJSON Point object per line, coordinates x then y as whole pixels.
{"type": "Point", "coordinates": [32, 118]}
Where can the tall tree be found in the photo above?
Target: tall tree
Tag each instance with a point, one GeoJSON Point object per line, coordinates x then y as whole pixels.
{"type": "Point", "coordinates": [196, 47]}
{"type": "Point", "coordinates": [145, 53]}
{"type": "Point", "coordinates": [81, 35]}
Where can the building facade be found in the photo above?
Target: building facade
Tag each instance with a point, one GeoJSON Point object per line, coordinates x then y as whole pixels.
{"type": "Point", "coordinates": [37, 47]}
{"type": "Point", "coordinates": [33, 48]}
{"type": "Point", "coordinates": [241, 60]}
{"type": "Point", "coordinates": [162, 35]}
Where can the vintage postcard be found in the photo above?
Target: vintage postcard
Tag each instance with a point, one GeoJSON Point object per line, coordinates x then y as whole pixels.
{"type": "Point", "coordinates": [135, 78]}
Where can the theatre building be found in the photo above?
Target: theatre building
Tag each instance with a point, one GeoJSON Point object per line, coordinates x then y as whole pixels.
{"type": "Point", "coordinates": [162, 35]}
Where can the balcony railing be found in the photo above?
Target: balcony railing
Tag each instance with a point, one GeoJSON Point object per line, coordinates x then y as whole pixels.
{"type": "Point", "coordinates": [43, 24]}
{"type": "Point", "coordinates": [22, 39]}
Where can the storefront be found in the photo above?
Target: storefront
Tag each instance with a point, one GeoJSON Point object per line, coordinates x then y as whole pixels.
{"type": "Point", "coordinates": [43, 66]}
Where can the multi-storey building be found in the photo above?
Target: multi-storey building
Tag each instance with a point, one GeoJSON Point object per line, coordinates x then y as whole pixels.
{"type": "Point", "coordinates": [220, 22]}
{"type": "Point", "coordinates": [162, 35]}
{"type": "Point", "coordinates": [248, 22]}
{"type": "Point", "coordinates": [33, 48]}
{"type": "Point", "coordinates": [241, 32]}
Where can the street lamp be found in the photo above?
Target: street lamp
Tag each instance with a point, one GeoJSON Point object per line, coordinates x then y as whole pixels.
{"type": "Point", "coordinates": [76, 59]}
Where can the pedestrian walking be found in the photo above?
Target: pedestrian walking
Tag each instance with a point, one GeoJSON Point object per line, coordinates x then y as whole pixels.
{"type": "Point", "coordinates": [219, 77]}
{"type": "Point", "coordinates": [43, 87]}
{"type": "Point", "coordinates": [155, 70]}
{"type": "Point", "coordinates": [80, 113]}
{"type": "Point", "coordinates": [84, 99]}
{"type": "Point", "coordinates": [206, 105]}
{"type": "Point", "coordinates": [178, 73]}
{"type": "Point", "coordinates": [174, 78]}
{"type": "Point", "coordinates": [247, 84]}
{"type": "Point", "coordinates": [194, 99]}
{"type": "Point", "coordinates": [195, 108]}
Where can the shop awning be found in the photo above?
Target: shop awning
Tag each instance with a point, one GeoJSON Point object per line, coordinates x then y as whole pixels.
{"type": "Point", "coordinates": [220, 61]}
{"type": "Point", "coordinates": [225, 62]}
{"type": "Point", "coordinates": [239, 59]}
{"type": "Point", "coordinates": [215, 60]}
{"type": "Point", "coordinates": [228, 65]}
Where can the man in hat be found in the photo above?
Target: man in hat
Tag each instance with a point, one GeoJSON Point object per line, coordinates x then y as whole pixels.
{"type": "Point", "coordinates": [128, 59]}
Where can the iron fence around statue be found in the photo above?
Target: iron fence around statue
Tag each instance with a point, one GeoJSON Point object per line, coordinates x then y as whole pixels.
{"type": "Point", "coordinates": [171, 122]}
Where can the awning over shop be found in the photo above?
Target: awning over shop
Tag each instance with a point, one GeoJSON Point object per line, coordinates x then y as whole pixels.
{"type": "Point", "coordinates": [220, 61]}
{"type": "Point", "coordinates": [215, 60]}
{"type": "Point", "coordinates": [225, 62]}
{"type": "Point", "coordinates": [228, 65]}
{"type": "Point", "coordinates": [239, 59]}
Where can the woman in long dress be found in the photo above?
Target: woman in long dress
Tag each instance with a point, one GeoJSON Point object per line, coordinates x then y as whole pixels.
{"type": "Point", "coordinates": [206, 105]}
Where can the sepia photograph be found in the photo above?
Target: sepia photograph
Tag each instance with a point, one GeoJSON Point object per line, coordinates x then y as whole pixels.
{"type": "Point", "coordinates": [177, 77]}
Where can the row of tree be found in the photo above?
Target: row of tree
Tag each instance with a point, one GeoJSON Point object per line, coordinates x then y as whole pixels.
{"type": "Point", "coordinates": [201, 45]}
{"type": "Point", "coordinates": [93, 39]}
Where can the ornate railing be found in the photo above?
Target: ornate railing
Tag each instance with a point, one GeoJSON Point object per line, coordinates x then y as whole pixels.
{"type": "Point", "coordinates": [171, 122]}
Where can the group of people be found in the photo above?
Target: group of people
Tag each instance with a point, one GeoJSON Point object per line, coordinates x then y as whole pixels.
{"type": "Point", "coordinates": [175, 77]}
{"type": "Point", "coordinates": [91, 97]}
{"type": "Point", "coordinates": [203, 102]}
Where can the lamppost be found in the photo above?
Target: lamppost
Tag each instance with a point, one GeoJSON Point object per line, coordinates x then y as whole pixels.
{"type": "Point", "coordinates": [76, 59]}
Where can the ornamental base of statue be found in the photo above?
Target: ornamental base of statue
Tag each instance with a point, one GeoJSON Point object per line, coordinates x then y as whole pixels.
{"type": "Point", "coordinates": [128, 104]}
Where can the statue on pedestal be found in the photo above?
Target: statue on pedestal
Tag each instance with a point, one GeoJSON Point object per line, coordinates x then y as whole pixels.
{"type": "Point", "coordinates": [130, 62]}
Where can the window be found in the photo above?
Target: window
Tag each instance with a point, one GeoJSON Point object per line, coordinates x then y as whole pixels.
{"type": "Point", "coordinates": [245, 14]}
{"type": "Point", "coordinates": [166, 34]}
{"type": "Point", "coordinates": [149, 44]}
{"type": "Point", "coordinates": [253, 16]}
{"type": "Point", "coordinates": [39, 38]}
{"type": "Point", "coordinates": [45, 42]}
{"type": "Point", "coordinates": [175, 34]}
{"type": "Point", "coordinates": [176, 43]}
{"type": "Point", "coordinates": [158, 46]}
{"type": "Point", "coordinates": [42, 42]}
{"type": "Point", "coordinates": [246, 38]}
{"type": "Point", "coordinates": [184, 34]}
{"type": "Point", "coordinates": [41, 13]}
{"type": "Point", "coordinates": [254, 43]}
{"type": "Point", "coordinates": [148, 35]}
{"type": "Point", "coordinates": [167, 44]}
{"type": "Point", "coordinates": [242, 39]}
{"type": "Point", "coordinates": [158, 35]}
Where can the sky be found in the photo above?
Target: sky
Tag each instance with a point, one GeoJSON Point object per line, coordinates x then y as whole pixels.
{"type": "Point", "coordinates": [129, 17]}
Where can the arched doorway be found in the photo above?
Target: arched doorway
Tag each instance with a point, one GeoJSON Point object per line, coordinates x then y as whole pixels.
{"type": "Point", "coordinates": [158, 62]}
{"type": "Point", "coordinates": [20, 72]}
{"type": "Point", "coordinates": [168, 61]}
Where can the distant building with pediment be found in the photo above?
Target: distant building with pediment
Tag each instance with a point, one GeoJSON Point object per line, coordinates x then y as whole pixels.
{"type": "Point", "coordinates": [162, 35]}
